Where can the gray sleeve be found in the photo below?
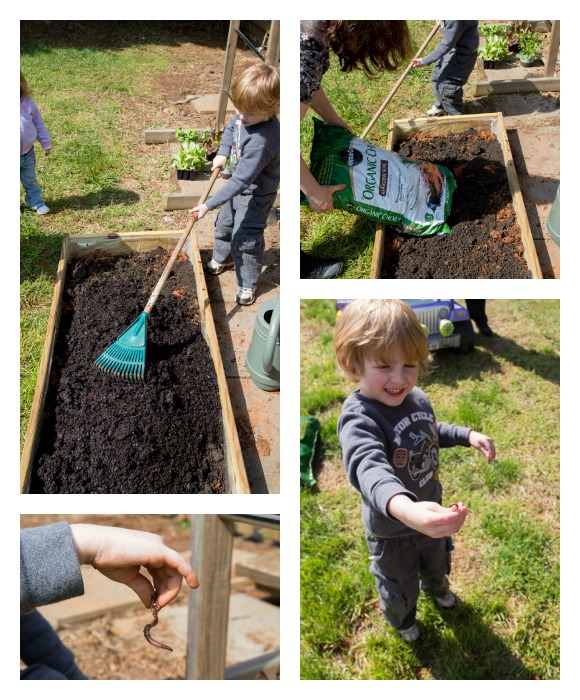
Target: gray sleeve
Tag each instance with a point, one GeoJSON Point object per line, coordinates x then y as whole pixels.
{"type": "Point", "coordinates": [451, 435]}
{"type": "Point", "coordinates": [366, 463]}
{"type": "Point", "coordinates": [452, 31]}
{"type": "Point", "coordinates": [249, 167]}
{"type": "Point", "coordinates": [49, 566]}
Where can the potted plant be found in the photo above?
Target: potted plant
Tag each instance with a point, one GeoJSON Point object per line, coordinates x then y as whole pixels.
{"type": "Point", "coordinates": [198, 149]}
{"type": "Point", "coordinates": [529, 44]}
{"type": "Point", "coordinates": [493, 51]}
{"type": "Point", "coordinates": [512, 33]}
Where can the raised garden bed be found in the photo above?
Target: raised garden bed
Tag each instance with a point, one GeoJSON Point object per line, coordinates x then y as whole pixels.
{"type": "Point", "coordinates": [490, 237]}
{"type": "Point", "coordinates": [92, 433]}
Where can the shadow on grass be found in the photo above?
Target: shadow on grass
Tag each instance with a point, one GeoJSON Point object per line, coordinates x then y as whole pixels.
{"type": "Point", "coordinates": [472, 652]}
{"type": "Point", "coordinates": [94, 200]}
{"type": "Point", "coordinates": [452, 368]}
{"type": "Point", "coordinates": [39, 255]}
{"type": "Point", "coordinates": [42, 36]}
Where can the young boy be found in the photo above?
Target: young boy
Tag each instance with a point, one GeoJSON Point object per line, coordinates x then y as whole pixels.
{"type": "Point", "coordinates": [454, 58]}
{"type": "Point", "coordinates": [390, 442]}
{"type": "Point", "coordinates": [252, 143]}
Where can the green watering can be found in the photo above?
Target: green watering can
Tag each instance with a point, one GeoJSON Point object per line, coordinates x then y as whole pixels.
{"type": "Point", "coordinates": [263, 356]}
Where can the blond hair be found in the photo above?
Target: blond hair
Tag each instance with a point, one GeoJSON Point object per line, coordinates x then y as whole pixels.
{"type": "Point", "coordinates": [24, 89]}
{"type": "Point", "coordinates": [257, 89]}
{"type": "Point", "coordinates": [371, 329]}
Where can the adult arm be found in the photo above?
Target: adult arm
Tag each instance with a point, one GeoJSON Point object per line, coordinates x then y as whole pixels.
{"type": "Point", "coordinates": [319, 196]}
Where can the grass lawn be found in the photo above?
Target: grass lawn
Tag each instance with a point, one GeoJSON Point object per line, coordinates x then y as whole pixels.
{"type": "Point", "coordinates": [356, 99]}
{"type": "Point", "coordinates": [99, 86]}
{"type": "Point", "coordinates": [506, 560]}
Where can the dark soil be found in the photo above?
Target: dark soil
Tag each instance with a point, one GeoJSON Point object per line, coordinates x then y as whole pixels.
{"type": "Point", "coordinates": [105, 435]}
{"type": "Point", "coordinates": [485, 241]}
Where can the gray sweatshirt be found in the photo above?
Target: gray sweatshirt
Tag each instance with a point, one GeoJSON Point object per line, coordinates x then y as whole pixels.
{"type": "Point", "coordinates": [460, 35]}
{"type": "Point", "coordinates": [254, 154]}
{"type": "Point", "coordinates": [388, 451]}
{"type": "Point", "coordinates": [49, 572]}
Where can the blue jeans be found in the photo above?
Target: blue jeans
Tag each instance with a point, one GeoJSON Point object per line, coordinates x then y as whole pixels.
{"type": "Point", "coordinates": [239, 235]}
{"type": "Point", "coordinates": [32, 191]}
{"type": "Point", "coordinates": [448, 77]}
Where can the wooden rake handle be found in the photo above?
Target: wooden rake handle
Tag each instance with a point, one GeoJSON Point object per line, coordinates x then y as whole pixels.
{"type": "Point", "coordinates": [399, 82]}
{"type": "Point", "coordinates": [180, 244]}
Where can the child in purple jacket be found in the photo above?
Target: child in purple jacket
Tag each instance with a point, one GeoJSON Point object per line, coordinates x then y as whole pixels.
{"type": "Point", "coordinates": [32, 128]}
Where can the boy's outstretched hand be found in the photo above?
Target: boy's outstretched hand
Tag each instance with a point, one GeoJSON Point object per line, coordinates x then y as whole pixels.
{"type": "Point", "coordinates": [119, 553]}
{"type": "Point", "coordinates": [483, 443]}
{"type": "Point", "coordinates": [201, 210]}
{"type": "Point", "coordinates": [428, 517]}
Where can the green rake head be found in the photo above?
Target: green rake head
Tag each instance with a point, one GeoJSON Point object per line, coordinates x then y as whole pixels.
{"type": "Point", "coordinates": [125, 358]}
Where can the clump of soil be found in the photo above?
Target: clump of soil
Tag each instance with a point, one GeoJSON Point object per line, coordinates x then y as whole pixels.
{"type": "Point", "coordinates": [485, 241]}
{"type": "Point", "coordinates": [105, 435]}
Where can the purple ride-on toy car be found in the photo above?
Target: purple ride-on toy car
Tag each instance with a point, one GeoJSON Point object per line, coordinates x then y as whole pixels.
{"type": "Point", "coordinates": [446, 323]}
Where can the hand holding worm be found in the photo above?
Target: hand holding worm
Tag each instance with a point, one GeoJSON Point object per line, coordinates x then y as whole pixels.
{"type": "Point", "coordinates": [119, 554]}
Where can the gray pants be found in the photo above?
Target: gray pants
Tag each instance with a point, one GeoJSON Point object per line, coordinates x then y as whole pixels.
{"type": "Point", "coordinates": [403, 565]}
{"type": "Point", "coordinates": [239, 235]}
{"type": "Point", "coordinates": [449, 75]}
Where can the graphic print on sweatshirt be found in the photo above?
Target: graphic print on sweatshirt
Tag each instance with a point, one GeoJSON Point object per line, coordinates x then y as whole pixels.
{"type": "Point", "coordinates": [417, 446]}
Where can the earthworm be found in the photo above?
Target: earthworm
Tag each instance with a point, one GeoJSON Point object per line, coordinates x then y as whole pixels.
{"type": "Point", "coordinates": [455, 506]}
{"type": "Point", "coordinates": [154, 609]}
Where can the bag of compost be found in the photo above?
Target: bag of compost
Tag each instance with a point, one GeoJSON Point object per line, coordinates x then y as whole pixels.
{"type": "Point", "coordinates": [412, 195]}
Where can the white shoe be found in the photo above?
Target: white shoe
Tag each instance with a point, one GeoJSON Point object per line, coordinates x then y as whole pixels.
{"type": "Point", "coordinates": [245, 296]}
{"type": "Point", "coordinates": [447, 602]}
{"type": "Point", "coordinates": [216, 268]}
{"type": "Point", "coordinates": [411, 634]}
{"type": "Point", "coordinates": [42, 209]}
{"type": "Point", "coordinates": [435, 112]}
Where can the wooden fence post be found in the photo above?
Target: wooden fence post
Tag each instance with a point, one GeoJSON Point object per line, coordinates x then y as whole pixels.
{"type": "Point", "coordinates": [273, 51]}
{"type": "Point", "coordinates": [227, 72]}
{"type": "Point", "coordinates": [553, 49]}
{"type": "Point", "coordinates": [211, 557]}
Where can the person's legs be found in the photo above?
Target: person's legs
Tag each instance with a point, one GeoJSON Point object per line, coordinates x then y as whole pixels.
{"type": "Point", "coordinates": [453, 74]}
{"type": "Point", "coordinates": [396, 570]}
{"type": "Point", "coordinates": [250, 219]}
{"type": "Point", "coordinates": [32, 191]}
{"type": "Point", "coordinates": [224, 225]}
{"type": "Point", "coordinates": [476, 308]}
{"type": "Point", "coordinates": [434, 84]}
{"type": "Point", "coordinates": [434, 565]}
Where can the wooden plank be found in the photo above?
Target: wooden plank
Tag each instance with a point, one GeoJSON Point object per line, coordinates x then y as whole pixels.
{"type": "Point", "coordinates": [489, 121]}
{"type": "Point", "coordinates": [273, 51]}
{"type": "Point", "coordinates": [85, 244]}
{"type": "Point", "coordinates": [187, 200]}
{"type": "Point", "coordinates": [37, 408]}
{"type": "Point", "coordinates": [165, 135]}
{"type": "Point", "coordinates": [263, 569]}
{"type": "Point", "coordinates": [504, 87]}
{"type": "Point", "coordinates": [378, 251]}
{"type": "Point", "coordinates": [211, 547]}
{"type": "Point", "coordinates": [553, 49]}
{"type": "Point", "coordinates": [228, 68]}
{"type": "Point", "coordinates": [518, 202]}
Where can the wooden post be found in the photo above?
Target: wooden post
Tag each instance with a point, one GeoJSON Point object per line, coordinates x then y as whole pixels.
{"type": "Point", "coordinates": [227, 72]}
{"type": "Point", "coordinates": [553, 49]}
{"type": "Point", "coordinates": [273, 51]}
{"type": "Point", "coordinates": [207, 631]}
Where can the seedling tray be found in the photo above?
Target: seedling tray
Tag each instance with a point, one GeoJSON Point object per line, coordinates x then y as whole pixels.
{"type": "Point", "coordinates": [74, 249]}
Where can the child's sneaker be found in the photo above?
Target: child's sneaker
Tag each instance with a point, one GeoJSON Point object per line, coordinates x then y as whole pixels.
{"type": "Point", "coordinates": [435, 112]}
{"type": "Point", "coordinates": [245, 296]}
{"type": "Point", "coordinates": [411, 634]}
{"type": "Point", "coordinates": [216, 268]}
{"type": "Point", "coordinates": [42, 209]}
{"type": "Point", "coordinates": [447, 602]}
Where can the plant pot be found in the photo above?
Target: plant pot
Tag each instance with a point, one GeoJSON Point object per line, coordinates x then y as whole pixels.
{"type": "Point", "coordinates": [491, 64]}
{"type": "Point", "coordinates": [527, 60]}
{"type": "Point", "coordinates": [183, 174]}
